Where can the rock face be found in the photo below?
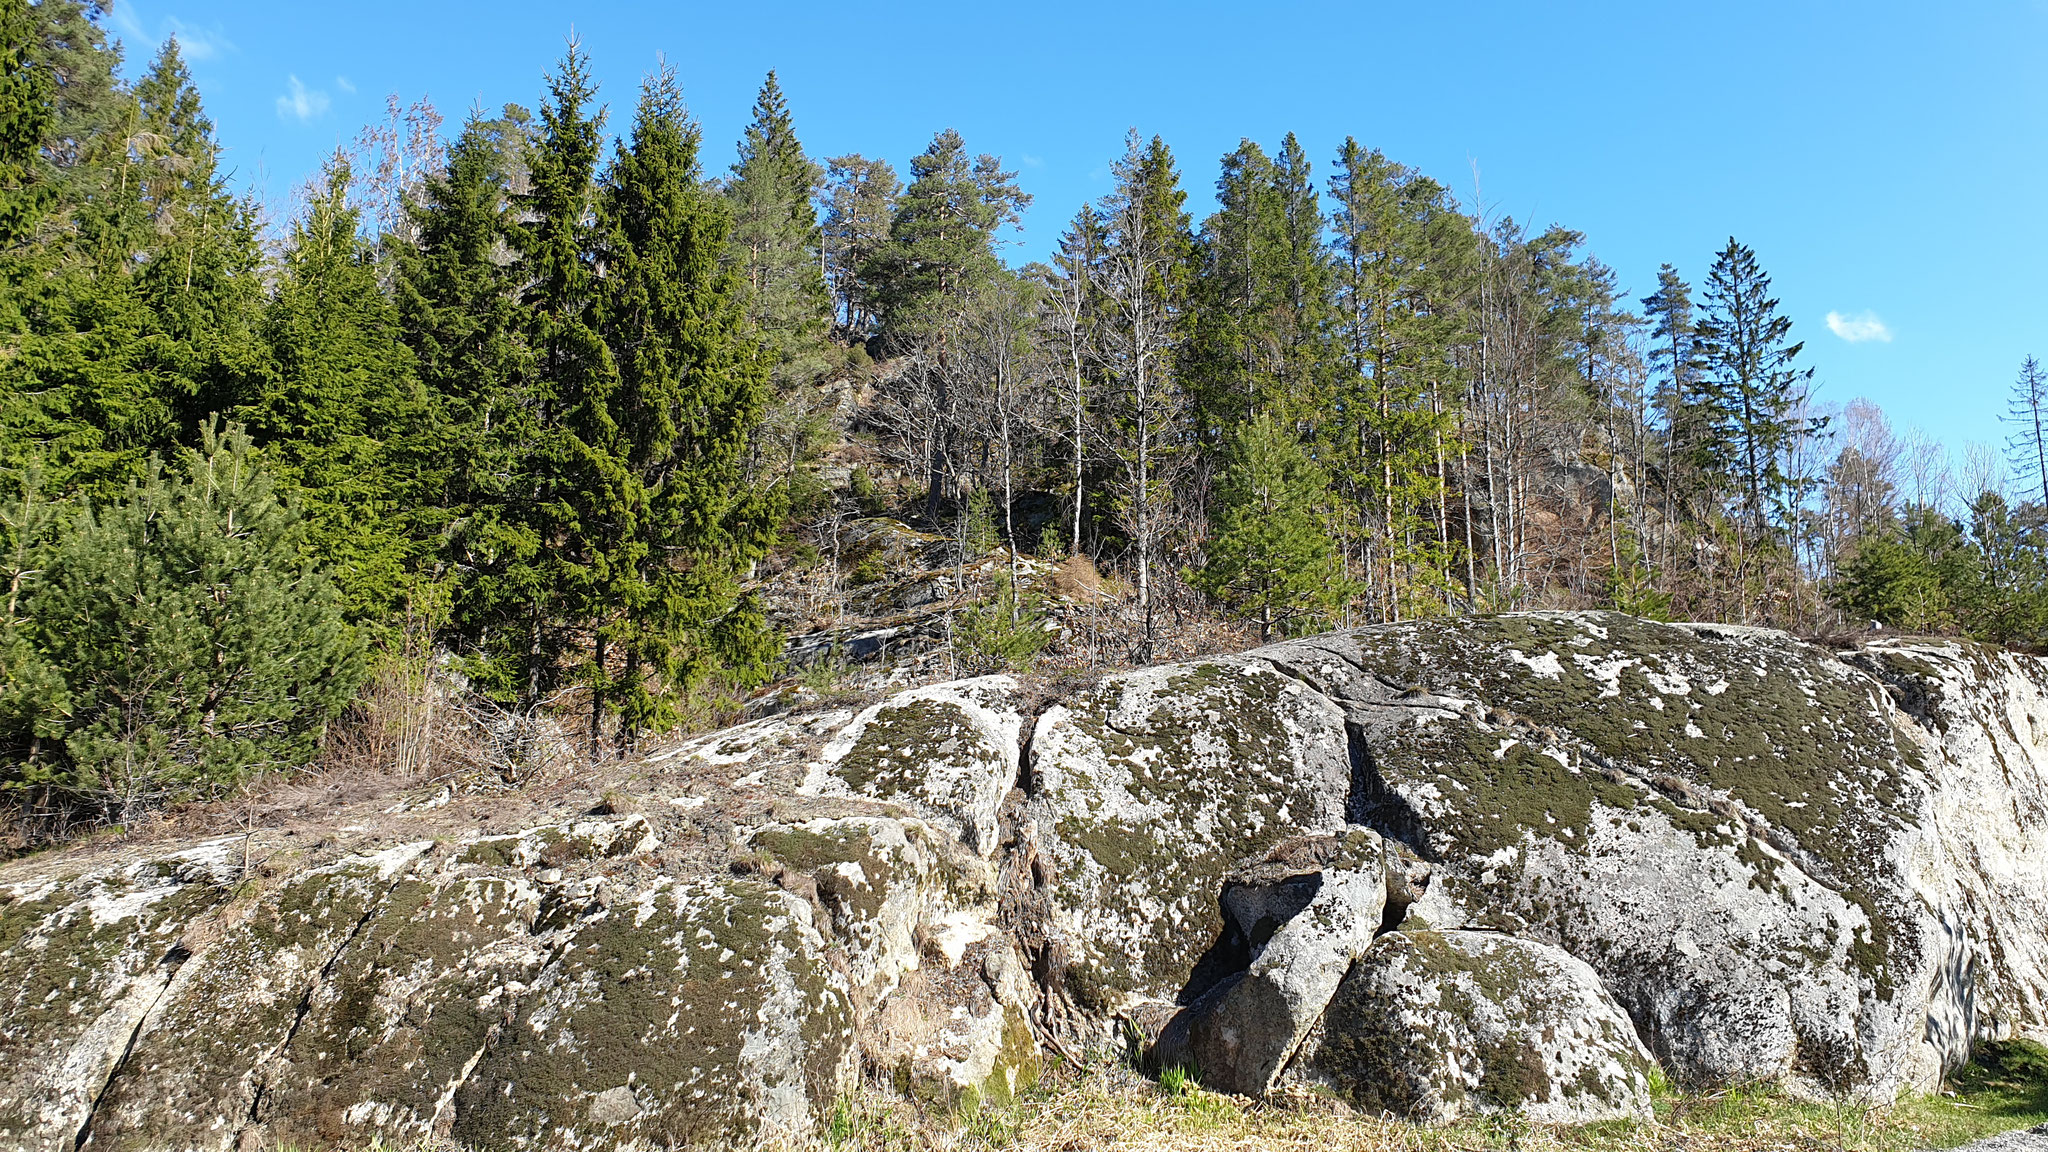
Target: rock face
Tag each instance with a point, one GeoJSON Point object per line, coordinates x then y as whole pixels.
{"type": "Point", "coordinates": [1436, 1026]}
{"type": "Point", "coordinates": [1744, 835]}
{"type": "Point", "coordinates": [1441, 868]}
{"type": "Point", "coordinates": [1305, 913]}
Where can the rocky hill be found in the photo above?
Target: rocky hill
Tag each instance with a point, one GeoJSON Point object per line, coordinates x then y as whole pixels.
{"type": "Point", "coordinates": [1520, 863]}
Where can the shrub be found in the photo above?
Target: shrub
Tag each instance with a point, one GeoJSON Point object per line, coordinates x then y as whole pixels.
{"type": "Point", "coordinates": [196, 644]}
{"type": "Point", "coordinates": [1003, 633]}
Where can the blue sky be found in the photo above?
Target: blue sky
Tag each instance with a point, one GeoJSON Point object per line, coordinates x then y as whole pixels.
{"type": "Point", "coordinates": [1885, 160]}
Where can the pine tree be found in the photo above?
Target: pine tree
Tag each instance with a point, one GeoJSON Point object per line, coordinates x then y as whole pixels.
{"type": "Point", "coordinates": [776, 244]}
{"type": "Point", "coordinates": [861, 201]}
{"type": "Point", "coordinates": [1672, 356]}
{"type": "Point", "coordinates": [33, 697]}
{"type": "Point", "coordinates": [2027, 412]}
{"type": "Point", "coordinates": [1895, 577]}
{"type": "Point", "coordinates": [943, 236]}
{"type": "Point", "coordinates": [197, 643]}
{"type": "Point", "coordinates": [692, 386]}
{"type": "Point", "coordinates": [1269, 554]}
{"type": "Point", "coordinates": [1399, 248]}
{"type": "Point", "coordinates": [1750, 392]}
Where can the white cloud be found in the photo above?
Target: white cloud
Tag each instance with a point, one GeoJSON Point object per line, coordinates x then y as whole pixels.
{"type": "Point", "coordinates": [196, 45]}
{"type": "Point", "coordinates": [301, 103]}
{"type": "Point", "coordinates": [1860, 328]}
{"type": "Point", "coordinates": [342, 83]}
{"type": "Point", "coordinates": [125, 23]}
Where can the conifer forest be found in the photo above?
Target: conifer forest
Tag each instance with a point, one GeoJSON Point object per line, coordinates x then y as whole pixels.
{"type": "Point", "coordinates": [531, 436]}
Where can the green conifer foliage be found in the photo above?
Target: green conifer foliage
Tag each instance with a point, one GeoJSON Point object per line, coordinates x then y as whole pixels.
{"type": "Point", "coordinates": [539, 560]}
{"type": "Point", "coordinates": [25, 119]}
{"type": "Point", "coordinates": [692, 387]}
{"type": "Point", "coordinates": [776, 243]}
{"type": "Point", "coordinates": [862, 201]}
{"type": "Point", "coordinates": [139, 320]}
{"type": "Point", "coordinates": [340, 413]}
{"type": "Point", "coordinates": [943, 237]}
{"type": "Point", "coordinates": [1260, 335]}
{"type": "Point", "coordinates": [197, 644]}
{"type": "Point", "coordinates": [33, 698]}
{"type": "Point", "coordinates": [1270, 555]}
{"type": "Point", "coordinates": [1400, 248]}
{"type": "Point", "coordinates": [1897, 578]}
{"type": "Point", "coordinates": [1749, 393]}
{"type": "Point", "coordinates": [457, 308]}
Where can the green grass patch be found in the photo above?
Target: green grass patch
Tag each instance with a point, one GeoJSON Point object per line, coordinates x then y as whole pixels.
{"type": "Point", "coordinates": [2005, 1087]}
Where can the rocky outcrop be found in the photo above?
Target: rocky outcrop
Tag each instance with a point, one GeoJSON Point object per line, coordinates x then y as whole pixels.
{"type": "Point", "coordinates": [1437, 1026]}
{"type": "Point", "coordinates": [1146, 792]}
{"type": "Point", "coordinates": [1305, 912]}
{"type": "Point", "coordinates": [1441, 868]}
{"type": "Point", "coordinates": [1442, 1025]}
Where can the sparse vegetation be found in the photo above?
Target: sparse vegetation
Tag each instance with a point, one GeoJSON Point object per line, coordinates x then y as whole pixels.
{"type": "Point", "coordinates": [1110, 1109]}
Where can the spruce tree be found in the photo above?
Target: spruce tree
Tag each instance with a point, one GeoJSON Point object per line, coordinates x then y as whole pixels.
{"type": "Point", "coordinates": [1260, 335]}
{"type": "Point", "coordinates": [1749, 392]}
{"type": "Point", "coordinates": [1269, 554]}
{"type": "Point", "coordinates": [455, 297]}
{"type": "Point", "coordinates": [340, 412]}
{"type": "Point", "coordinates": [139, 318]}
{"type": "Point", "coordinates": [542, 557]}
{"type": "Point", "coordinates": [1672, 356]}
{"type": "Point", "coordinates": [693, 384]}
{"type": "Point", "coordinates": [198, 265]}
{"type": "Point", "coordinates": [25, 121]}
{"type": "Point", "coordinates": [776, 244]}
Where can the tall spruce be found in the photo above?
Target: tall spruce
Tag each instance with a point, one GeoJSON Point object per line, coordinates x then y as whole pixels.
{"type": "Point", "coordinates": [693, 383]}
{"type": "Point", "coordinates": [776, 243]}
{"type": "Point", "coordinates": [1750, 392]}
{"type": "Point", "coordinates": [1673, 358]}
{"type": "Point", "coordinates": [26, 116]}
{"type": "Point", "coordinates": [542, 566]}
{"type": "Point", "coordinates": [340, 413]}
{"type": "Point", "coordinates": [1260, 336]}
{"type": "Point", "coordinates": [454, 292]}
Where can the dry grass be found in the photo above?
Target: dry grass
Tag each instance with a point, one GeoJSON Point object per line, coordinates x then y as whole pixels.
{"type": "Point", "coordinates": [1113, 1110]}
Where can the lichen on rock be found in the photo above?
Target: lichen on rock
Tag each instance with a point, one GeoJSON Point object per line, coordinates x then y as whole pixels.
{"type": "Point", "coordinates": [1149, 789]}
{"type": "Point", "coordinates": [1437, 1026]}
